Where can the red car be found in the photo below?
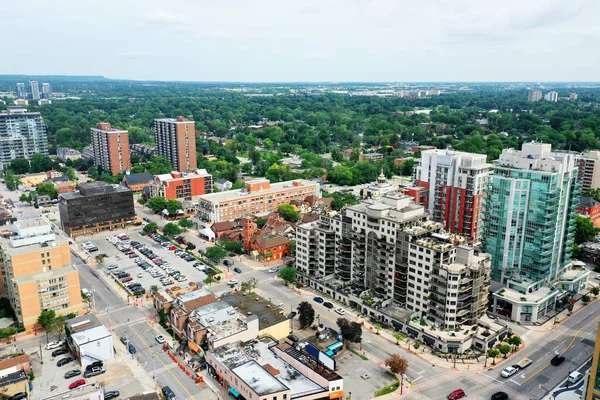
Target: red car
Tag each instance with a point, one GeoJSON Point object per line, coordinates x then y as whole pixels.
{"type": "Point", "coordinates": [457, 394]}
{"type": "Point", "coordinates": [128, 279]}
{"type": "Point", "coordinates": [172, 248]}
{"type": "Point", "coordinates": [77, 383]}
{"type": "Point", "coordinates": [128, 252]}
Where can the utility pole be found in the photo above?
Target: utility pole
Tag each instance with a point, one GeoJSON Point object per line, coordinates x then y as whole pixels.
{"type": "Point", "coordinates": [41, 354]}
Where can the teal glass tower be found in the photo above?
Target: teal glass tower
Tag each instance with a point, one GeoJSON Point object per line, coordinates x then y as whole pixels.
{"type": "Point", "coordinates": [529, 213]}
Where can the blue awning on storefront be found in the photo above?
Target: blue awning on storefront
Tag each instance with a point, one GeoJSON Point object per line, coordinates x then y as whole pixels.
{"type": "Point", "coordinates": [335, 346]}
{"type": "Point", "coordinates": [234, 392]}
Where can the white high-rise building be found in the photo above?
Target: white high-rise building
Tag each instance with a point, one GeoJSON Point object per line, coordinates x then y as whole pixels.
{"type": "Point", "coordinates": [455, 182]}
{"type": "Point", "coordinates": [21, 91]}
{"type": "Point", "coordinates": [35, 90]}
{"type": "Point", "coordinates": [22, 134]}
{"type": "Point", "coordinates": [534, 95]}
{"type": "Point", "coordinates": [46, 91]}
{"type": "Point", "coordinates": [551, 96]}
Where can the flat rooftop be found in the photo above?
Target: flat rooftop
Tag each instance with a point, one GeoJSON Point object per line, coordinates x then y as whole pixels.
{"type": "Point", "coordinates": [263, 371]}
{"type": "Point", "coordinates": [7, 244]}
{"type": "Point", "coordinates": [55, 272]}
{"type": "Point", "coordinates": [94, 189]}
{"type": "Point", "coordinates": [268, 314]}
{"type": "Point", "coordinates": [243, 193]}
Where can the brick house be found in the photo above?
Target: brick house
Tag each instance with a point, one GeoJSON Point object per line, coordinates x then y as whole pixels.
{"type": "Point", "coordinates": [590, 208]}
{"type": "Point", "coordinates": [137, 182]}
{"type": "Point", "coordinates": [267, 248]}
{"type": "Point", "coordinates": [221, 229]}
{"type": "Point", "coordinates": [184, 305]}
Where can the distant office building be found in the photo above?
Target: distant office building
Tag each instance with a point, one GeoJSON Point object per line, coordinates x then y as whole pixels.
{"type": "Point", "coordinates": [66, 153]}
{"type": "Point", "coordinates": [551, 96]}
{"type": "Point", "coordinates": [589, 170]}
{"type": "Point", "coordinates": [455, 182]}
{"type": "Point", "coordinates": [573, 96]}
{"type": "Point", "coordinates": [35, 90]}
{"type": "Point", "coordinates": [38, 273]}
{"type": "Point", "coordinates": [259, 197]}
{"type": "Point", "coordinates": [22, 134]}
{"type": "Point", "coordinates": [176, 140]}
{"type": "Point", "coordinates": [182, 185]}
{"type": "Point", "coordinates": [534, 95]}
{"type": "Point", "coordinates": [96, 207]}
{"type": "Point", "coordinates": [21, 102]}
{"type": "Point", "coordinates": [46, 91]}
{"type": "Point", "coordinates": [111, 148]}
{"type": "Point", "coordinates": [21, 91]}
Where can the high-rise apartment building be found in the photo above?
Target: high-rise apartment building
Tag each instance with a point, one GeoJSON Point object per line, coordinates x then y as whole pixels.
{"type": "Point", "coordinates": [111, 148]}
{"type": "Point", "coordinates": [589, 170]}
{"type": "Point", "coordinates": [96, 207]}
{"type": "Point", "coordinates": [530, 213]}
{"type": "Point", "coordinates": [551, 96]}
{"type": "Point", "coordinates": [534, 95]}
{"type": "Point", "coordinates": [176, 140]}
{"type": "Point", "coordinates": [46, 91]}
{"type": "Point", "coordinates": [22, 134]}
{"type": "Point", "coordinates": [455, 182]}
{"type": "Point", "coordinates": [37, 272]}
{"type": "Point", "coordinates": [35, 90]}
{"type": "Point", "coordinates": [21, 91]}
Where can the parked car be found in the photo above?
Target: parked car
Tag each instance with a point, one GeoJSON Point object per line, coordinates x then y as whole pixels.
{"type": "Point", "coordinates": [94, 371]}
{"type": "Point", "coordinates": [160, 339]}
{"type": "Point", "coordinates": [18, 396]}
{"type": "Point", "coordinates": [168, 393]}
{"type": "Point", "coordinates": [112, 266]}
{"type": "Point", "coordinates": [340, 310]}
{"type": "Point", "coordinates": [293, 338]}
{"type": "Point", "coordinates": [54, 345]}
{"type": "Point", "coordinates": [238, 270]}
{"type": "Point", "coordinates": [127, 279]}
{"type": "Point", "coordinates": [228, 263]}
{"type": "Point", "coordinates": [328, 305]}
{"type": "Point", "coordinates": [94, 364]}
{"type": "Point", "coordinates": [499, 396]}
{"type": "Point", "coordinates": [132, 349]}
{"type": "Point", "coordinates": [124, 339]}
{"type": "Point", "coordinates": [113, 394]}
{"type": "Point", "coordinates": [64, 361]}
{"type": "Point", "coordinates": [72, 373]}
{"type": "Point", "coordinates": [318, 299]}
{"type": "Point", "coordinates": [574, 377]}
{"type": "Point", "coordinates": [457, 394]}
{"type": "Point", "coordinates": [557, 360]}
{"type": "Point", "coordinates": [291, 315]}
{"type": "Point", "coordinates": [508, 372]}
{"type": "Point", "coordinates": [59, 352]}
{"type": "Point", "coordinates": [77, 383]}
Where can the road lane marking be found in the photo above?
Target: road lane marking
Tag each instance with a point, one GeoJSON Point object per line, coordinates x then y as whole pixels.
{"type": "Point", "coordinates": [566, 348]}
{"type": "Point", "coordinates": [513, 381]}
{"type": "Point", "coordinates": [421, 373]}
{"type": "Point", "coordinates": [494, 379]}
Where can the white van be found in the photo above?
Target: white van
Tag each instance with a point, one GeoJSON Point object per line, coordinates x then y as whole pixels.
{"type": "Point", "coordinates": [575, 377]}
{"type": "Point", "coordinates": [85, 292]}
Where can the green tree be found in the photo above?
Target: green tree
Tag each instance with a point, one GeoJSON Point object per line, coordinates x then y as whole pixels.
{"type": "Point", "coordinates": [234, 247]}
{"type": "Point", "coordinates": [351, 331]}
{"type": "Point", "coordinates": [504, 349]}
{"type": "Point", "coordinates": [19, 166]}
{"type": "Point", "coordinates": [288, 274]}
{"type": "Point", "coordinates": [406, 168]}
{"type": "Point", "coordinates": [260, 222]}
{"type": "Point", "coordinates": [493, 353]}
{"type": "Point", "coordinates": [159, 165]}
{"type": "Point", "coordinates": [170, 229]}
{"type": "Point", "coordinates": [157, 203]}
{"type": "Point", "coordinates": [185, 223]}
{"type": "Point", "coordinates": [173, 207]}
{"type": "Point", "coordinates": [570, 307]}
{"type": "Point", "coordinates": [398, 365]}
{"type": "Point", "coordinates": [6, 333]}
{"type": "Point", "coordinates": [58, 326]}
{"type": "Point", "coordinates": [40, 163]}
{"type": "Point", "coordinates": [595, 290]}
{"type": "Point", "coordinates": [151, 227]}
{"type": "Point", "coordinates": [584, 230]}
{"type": "Point", "coordinates": [215, 253]}
{"type": "Point", "coordinates": [515, 341]}
{"type": "Point", "coordinates": [70, 173]}
{"type": "Point", "coordinates": [585, 298]}
{"type": "Point", "coordinates": [593, 193]}
{"type": "Point", "coordinates": [306, 314]}
{"type": "Point", "coordinates": [11, 180]}
{"type": "Point", "coordinates": [46, 319]}
{"type": "Point", "coordinates": [288, 212]}
{"type": "Point", "coordinates": [341, 175]}
{"type": "Point", "coordinates": [47, 188]}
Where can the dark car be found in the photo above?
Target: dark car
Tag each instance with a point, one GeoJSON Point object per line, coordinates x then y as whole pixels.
{"type": "Point", "coordinates": [18, 396]}
{"type": "Point", "coordinates": [293, 338]}
{"type": "Point", "coordinates": [168, 393]}
{"type": "Point", "coordinates": [499, 396]}
{"type": "Point", "coordinates": [94, 365]}
{"type": "Point", "coordinates": [72, 373]}
{"type": "Point", "coordinates": [292, 315]}
{"type": "Point", "coordinates": [132, 349]}
{"type": "Point", "coordinates": [124, 340]}
{"type": "Point", "coordinates": [238, 270]}
{"type": "Point", "coordinates": [94, 371]}
{"type": "Point", "coordinates": [113, 394]}
{"type": "Point", "coordinates": [557, 359]}
{"type": "Point", "coordinates": [59, 352]}
{"type": "Point", "coordinates": [228, 263]}
{"type": "Point", "coordinates": [327, 305]}
{"type": "Point", "coordinates": [318, 299]}
{"type": "Point", "coordinates": [63, 361]}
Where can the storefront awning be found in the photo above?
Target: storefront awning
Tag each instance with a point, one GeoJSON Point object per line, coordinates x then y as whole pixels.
{"type": "Point", "coordinates": [234, 392]}
{"type": "Point", "coordinates": [193, 346]}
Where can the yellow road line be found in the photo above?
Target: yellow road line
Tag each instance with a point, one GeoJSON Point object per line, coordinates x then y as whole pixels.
{"type": "Point", "coordinates": [562, 352]}
{"type": "Point", "coordinates": [163, 364]}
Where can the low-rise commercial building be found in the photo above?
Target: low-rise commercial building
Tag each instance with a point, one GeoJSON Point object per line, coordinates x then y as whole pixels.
{"type": "Point", "coordinates": [96, 207]}
{"type": "Point", "coordinates": [38, 272]}
{"type": "Point", "coordinates": [89, 340]}
{"type": "Point", "coordinates": [182, 185]}
{"type": "Point", "coordinates": [183, 306]}
{"type": "Point", "coordinates": [259, 197]}
{"type": "Point", "coordinates": [269, 247]}
{"type": "Point", "coordinates": [137, 182]}
{"type": "Point", "coordinates": [271, 319]}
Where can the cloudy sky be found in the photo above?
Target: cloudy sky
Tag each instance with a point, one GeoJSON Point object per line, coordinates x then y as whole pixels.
{"type": "Point", "coordinates": [304, 40]}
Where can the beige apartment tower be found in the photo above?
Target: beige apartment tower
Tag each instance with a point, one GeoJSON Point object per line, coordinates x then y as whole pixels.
{"type": "Point", "coordinates": [37, 272]}
{"type": "Point", "coordinates": [176, 140]}
{"type": "Point", "coordinates": [111, 148]}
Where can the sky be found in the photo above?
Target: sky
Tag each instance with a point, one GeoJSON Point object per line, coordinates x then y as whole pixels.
{"type": "Point", "coordinates": [304, 40]}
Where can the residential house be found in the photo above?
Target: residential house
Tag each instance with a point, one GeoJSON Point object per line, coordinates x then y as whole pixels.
{"type": "Point", "coordinates": [268, 248]}
{"type": "Point", "coordinates": [590, 208]}
{"type": "Point", "coordinates": [137, 182]}
{"type": "Point", "coordinates": [90, 340]}
{"type": "Point", "coordinates": [221, 229]}
{"type": "Point", "coordinates": [223, 184]}
{"type": "Point", "coordinates": [163, 300]}
{"type": "Point", "coordinates": [184, 305]}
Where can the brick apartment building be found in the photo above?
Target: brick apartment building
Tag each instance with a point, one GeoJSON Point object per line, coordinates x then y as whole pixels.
{"type": "Point", "coordinates": [176, 140]}
{"type": "Point", "coordinates": [111, 148]}
{"type": "Point", "coordinates": [259, 197]}
{"type": "Point", "coordinates": [182, 185]}
{"type": "Point", "coordinates": [96, 207]}
{"type": "Point", "coordinates": [38, 273]}
{"type": "Point", "coordinates": [268, 248]}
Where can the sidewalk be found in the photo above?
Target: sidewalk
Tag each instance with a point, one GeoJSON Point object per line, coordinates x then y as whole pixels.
{"type": "Point", "coordinates": [559, 318]}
